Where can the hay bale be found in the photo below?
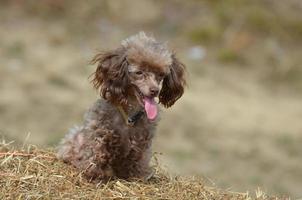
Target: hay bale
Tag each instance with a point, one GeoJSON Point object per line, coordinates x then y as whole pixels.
{"type": "Point", "coordinates": [33, 173]}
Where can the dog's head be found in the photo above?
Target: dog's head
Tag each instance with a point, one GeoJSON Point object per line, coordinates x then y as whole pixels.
{"type": "Point", "coordinates": [142, 68]}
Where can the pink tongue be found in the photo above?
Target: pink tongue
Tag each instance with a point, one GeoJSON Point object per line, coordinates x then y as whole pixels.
{"type": "Point", "coordinates": [150, 107]}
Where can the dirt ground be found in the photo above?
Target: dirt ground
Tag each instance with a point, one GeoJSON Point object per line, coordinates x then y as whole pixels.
{"type": "Point", "coordinates": [238, 124]}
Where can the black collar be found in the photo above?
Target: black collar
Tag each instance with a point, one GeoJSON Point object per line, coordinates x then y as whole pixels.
{"type": "Point", "coordinates": [131, 120]}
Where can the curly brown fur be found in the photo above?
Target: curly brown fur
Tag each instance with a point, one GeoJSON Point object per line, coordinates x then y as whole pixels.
{"type": "Point", "coordinates": [129, 77]}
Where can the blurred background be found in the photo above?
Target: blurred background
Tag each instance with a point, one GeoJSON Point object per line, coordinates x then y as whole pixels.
{"type": "Point", "coordinates": [239, 123]}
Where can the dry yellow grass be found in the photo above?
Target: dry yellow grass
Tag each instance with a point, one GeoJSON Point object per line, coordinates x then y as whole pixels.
{"type": "Point", "coordinates": [33, 173]}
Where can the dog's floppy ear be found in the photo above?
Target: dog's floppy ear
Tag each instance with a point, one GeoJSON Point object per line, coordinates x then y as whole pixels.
{"type": "Point", "coordinates": [173, 84]}
{"type": "Point", "coordinates": [111, 75]}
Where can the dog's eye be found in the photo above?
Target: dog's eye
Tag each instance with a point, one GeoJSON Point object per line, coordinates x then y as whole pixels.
{"type": "Point", "coordinates": [139, 73]}
{"type": "Point", "coordinates": [161, 76]}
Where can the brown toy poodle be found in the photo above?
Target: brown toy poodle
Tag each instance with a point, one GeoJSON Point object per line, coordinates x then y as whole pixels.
{"type": "Point", "coordinates": [116, 136]}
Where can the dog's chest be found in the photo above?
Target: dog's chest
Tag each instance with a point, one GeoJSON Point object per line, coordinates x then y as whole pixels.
{"type": "Point", "coordinates": [139, 137]}
{"type": "Point", "coordinates": [140, 134]}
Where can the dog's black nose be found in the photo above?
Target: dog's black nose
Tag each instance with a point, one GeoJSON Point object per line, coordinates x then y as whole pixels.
{"type": "Point", "coordinates": [154, 92]}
